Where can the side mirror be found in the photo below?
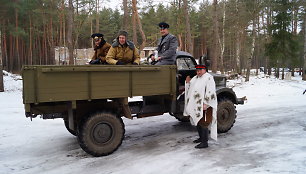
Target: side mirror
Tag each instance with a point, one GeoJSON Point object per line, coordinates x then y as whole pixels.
{"type": "Point", "coordinates": [204, 60]}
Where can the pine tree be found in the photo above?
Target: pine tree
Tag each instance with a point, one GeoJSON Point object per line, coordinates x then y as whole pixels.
{"type": "Point", "coordinates": [283, 47]}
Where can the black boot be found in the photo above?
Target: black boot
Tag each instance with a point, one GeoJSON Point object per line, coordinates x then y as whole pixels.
{"type": "Point", "coordinates": [204, 139]}
{"type": "Point", "coordinates": [199, 131]}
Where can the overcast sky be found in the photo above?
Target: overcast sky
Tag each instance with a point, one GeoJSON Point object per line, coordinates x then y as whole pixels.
{"type": "Point", "coordinates": [115, 4]}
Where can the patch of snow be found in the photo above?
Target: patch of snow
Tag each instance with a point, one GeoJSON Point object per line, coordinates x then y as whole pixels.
{"type": "Point", "coordinates": [12, 82]}
{"type": "Point", "coordinates": [268, 137]}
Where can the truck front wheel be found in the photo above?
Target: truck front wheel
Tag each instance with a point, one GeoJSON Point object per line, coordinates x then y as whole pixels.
{"type": "Point", "coordinates": [101, 134]}
{"type": "Point", "coordinates": [182, 118]}
{"type": "Point", "coordinates": [226, 115]}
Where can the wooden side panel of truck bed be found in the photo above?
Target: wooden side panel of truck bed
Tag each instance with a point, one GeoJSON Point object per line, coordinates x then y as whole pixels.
{"type": "Point", "coordinates": [70, 83]}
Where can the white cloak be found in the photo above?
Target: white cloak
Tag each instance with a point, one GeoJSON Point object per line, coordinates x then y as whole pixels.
{"type": "Point", "coordinates": [199, 91]}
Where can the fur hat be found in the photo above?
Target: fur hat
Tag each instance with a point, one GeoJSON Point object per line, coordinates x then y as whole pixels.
{"type": "Point", "coordinates": [123, 33]}
{"type": "Point", "coordinates": [97, 36]}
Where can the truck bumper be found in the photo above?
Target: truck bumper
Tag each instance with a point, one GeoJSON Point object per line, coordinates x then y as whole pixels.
{"type": "Point", "coordinates": [240, 101]}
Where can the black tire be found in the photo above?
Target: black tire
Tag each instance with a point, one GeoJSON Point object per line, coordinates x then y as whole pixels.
{"type": "Point", "coordinates": [70, 130]}
{"type": "Point", "coordinates": [226, 115]}
{"type": "Point", "coordinates": [101, 134]}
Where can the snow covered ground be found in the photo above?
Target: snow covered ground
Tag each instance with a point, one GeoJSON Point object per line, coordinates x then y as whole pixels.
{"type": "Point", "coordinates": [269, 136]}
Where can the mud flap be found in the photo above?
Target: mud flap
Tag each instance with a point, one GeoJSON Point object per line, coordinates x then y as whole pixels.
{"type": "Point", "coordinates": [125, 108]}
{"type": "Point", "coordinates": [71, 107]}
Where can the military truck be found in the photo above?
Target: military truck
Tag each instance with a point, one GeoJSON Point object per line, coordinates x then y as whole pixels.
{"type": "Point", "coordinates": [87, 98]}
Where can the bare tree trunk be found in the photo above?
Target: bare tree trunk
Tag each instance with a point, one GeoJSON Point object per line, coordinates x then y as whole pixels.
{"type": "Point", "coordinates": [277, 70]}
{"type": "Point", "coordinates": [257, 43]}
{"type": "Point", "coordinates": [91, 31]}
{"type": "Point", "coordinates": [1, 78]}
{"type": "Point", "coordinates": [61, 26]}
{"type": "Point", "coordinates": [1, 68]}
{"type": "Point", "coordinates": [180, 42]}
{"type": "Point", "coordinates": [292, 70]}
{"type": "Point", "coordinates": [69, 32]}
{"type": "Point", "coordinates": [269, 33]}
{"type": "Point", "coordinates": [125, 15]}
{"type": "Point", "coordinates": [4, 52]}
{"type": "Point", "coordinates": [143, 36]}
{"type": "Point", "coordinates": [51, 44]}
{"type": "Point", "coordinates": [134, 20]}
{"type": "Point", "coordinates": [30, 39]}
{"type": "Point", "coordinates": [238, 40]}
{"type": "Point", "coordinates": [216, 38]}
{"type": "Point", "coordinates": [283, 73]}
{"type": "Point", "coordinates": [294, 22]}
{"type": "Point", "coordinates": [203, 43]}
{"type": "Point", "coordinates": [249, 62]}
{"type": "Point", "coordinates": [97, 16]}
{"type": "Point", "coordinates": [265, 28]}
{"type": "Point", "coordinates": [222, 44]}
{"type": "Point", "coordinates": [189, 46]}
{"type": "Point", "coordinates": [11, 55]}
{"type": "Point", "coordinates": [304, 67]}
{"type": "Point", "coordinates": [1, 54]}
{"type": "Point", "coordinates": [179, 23]}
{"type": "Point", "coordinates": [17, 63]}
{"type": "Point", "coordinates": [44, 46]}
{"type": "Point", "coordinates": [62, 32]}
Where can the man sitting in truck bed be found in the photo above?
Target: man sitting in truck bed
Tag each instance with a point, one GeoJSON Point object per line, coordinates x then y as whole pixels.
{"type": "Point", "coordinates": [101, 49]}
{"type": "Point", "coordinates": [123, 52]}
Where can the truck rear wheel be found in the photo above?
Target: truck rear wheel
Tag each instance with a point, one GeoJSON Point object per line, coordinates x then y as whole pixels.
{"type": "Point", "coordinates": [68, 129]}
{"type": "Point", "coordinates": [226, 115]}
{"type": "Point", "coordinates": [101, 134]}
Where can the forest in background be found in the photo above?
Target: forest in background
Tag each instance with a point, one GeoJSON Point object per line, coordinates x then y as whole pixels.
{"type": "Point", "coordinates": [236, 35]}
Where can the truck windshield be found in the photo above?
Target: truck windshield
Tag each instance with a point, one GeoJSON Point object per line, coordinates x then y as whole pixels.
{"type": "Point", "coordinates": [184, 63]}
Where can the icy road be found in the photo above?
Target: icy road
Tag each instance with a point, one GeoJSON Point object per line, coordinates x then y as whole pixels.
{"type": "Point", "coordinates": [269, 136]}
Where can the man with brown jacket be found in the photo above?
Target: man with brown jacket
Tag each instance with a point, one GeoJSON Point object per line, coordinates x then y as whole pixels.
{"type": "Point", "coordinates": [123, 52]}
{"type": "Point", "coordinates": [101, 49]}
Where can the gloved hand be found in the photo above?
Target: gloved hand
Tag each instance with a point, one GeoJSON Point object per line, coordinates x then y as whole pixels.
{"type": "Point", "coordinates": [134, 63]}
{"type": "Point", "coordinates": [120, 63]}
{"type": "Point", "coordinates": [97, 61]}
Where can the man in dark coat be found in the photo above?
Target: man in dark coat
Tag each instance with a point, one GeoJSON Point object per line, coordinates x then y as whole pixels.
{"type": "Point", "coordinates": [166, 48]}
{"type": "Point", "coordinates": [101, 49]}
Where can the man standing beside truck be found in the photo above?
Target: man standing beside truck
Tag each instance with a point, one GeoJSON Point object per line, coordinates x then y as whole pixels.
{"type": "Point", "coordinates": [166, 48]}
{"type": "Point", "coordinates": [101, 49]}
{"type": "Point", "coordinates": [123, 52]}
{"type": "Point", "coordinates": [201, 104]}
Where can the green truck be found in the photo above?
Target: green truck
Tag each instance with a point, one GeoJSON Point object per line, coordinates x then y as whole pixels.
{"type": "Point", "coordinates": [87, 98]}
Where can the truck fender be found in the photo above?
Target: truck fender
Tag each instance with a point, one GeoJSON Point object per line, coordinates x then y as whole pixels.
{"type": "Point", "coordinates": [226, 93]}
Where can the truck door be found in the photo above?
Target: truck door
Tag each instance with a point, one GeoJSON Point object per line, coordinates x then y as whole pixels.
{"type": "Point", "coordinates": [185, 67]}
